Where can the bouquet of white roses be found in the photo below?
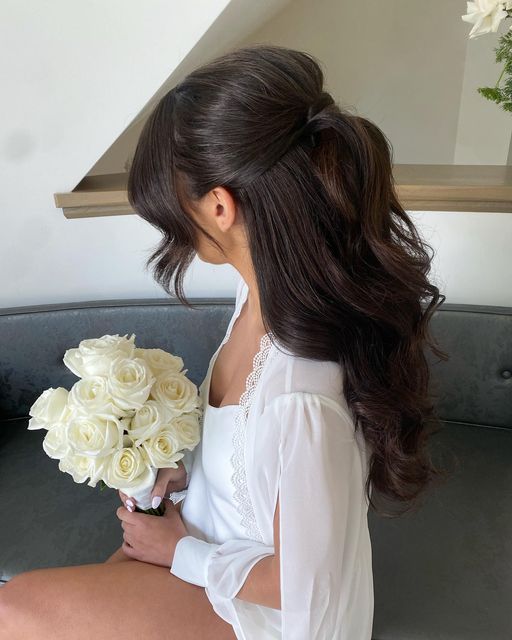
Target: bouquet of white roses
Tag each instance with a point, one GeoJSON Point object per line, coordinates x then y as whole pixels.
{"type": "Point", "coordinates": [132, 412]}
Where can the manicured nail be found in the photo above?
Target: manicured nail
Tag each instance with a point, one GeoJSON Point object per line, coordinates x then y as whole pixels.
{"type": "Point", "coordinates": [130, 503]}
{"type": "Point", "coordinates": [130, 509]}
{"type": "Point", "coordinates": [156, 501]}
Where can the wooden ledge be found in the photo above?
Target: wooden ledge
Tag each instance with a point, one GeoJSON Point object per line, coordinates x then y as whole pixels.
{"type": "Point", "coordinates": [420, 187]}
{"type": "Point", "coordinates": [103, 195]}
{"type": "Point", "coordinates": [450, 187]}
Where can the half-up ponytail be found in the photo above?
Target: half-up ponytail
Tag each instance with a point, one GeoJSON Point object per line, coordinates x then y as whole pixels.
{"type": "Point", "coordinates": [385, 284]}
{"type": "Point", "coordinates": [341, 270]}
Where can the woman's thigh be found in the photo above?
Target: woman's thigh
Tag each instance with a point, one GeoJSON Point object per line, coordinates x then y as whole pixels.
{"type": "Point", "coordinates": [118, 556]}
{"type": "Point", "coordinates": [108, 601]}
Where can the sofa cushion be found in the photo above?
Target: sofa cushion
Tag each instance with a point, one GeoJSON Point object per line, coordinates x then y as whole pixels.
{"type": "Point", "coordinates": [47, 519]}
{"type": "Point", "coordinates": [445, 571]}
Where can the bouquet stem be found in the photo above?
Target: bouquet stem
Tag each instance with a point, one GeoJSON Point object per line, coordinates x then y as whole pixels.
{"type": "Point", "coordinates": [159, 511]}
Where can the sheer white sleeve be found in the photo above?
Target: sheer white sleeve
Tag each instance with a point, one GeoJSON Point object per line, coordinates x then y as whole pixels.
{"type": "Point", "coordinates": [325, 558]}
{"type": "Point", "coordinates": [221, 568]}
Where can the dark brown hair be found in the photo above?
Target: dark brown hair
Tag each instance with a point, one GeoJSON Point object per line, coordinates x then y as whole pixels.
{"type": "Point", "coordinates": [340, 268]}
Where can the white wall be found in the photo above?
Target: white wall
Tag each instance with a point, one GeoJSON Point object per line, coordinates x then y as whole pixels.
{"type": "Point", "coordinates": [410, 67]}
{"type": "Point", "coordinates": [74, 75]}
{"type": "Point", "coordinates": [472, 254]}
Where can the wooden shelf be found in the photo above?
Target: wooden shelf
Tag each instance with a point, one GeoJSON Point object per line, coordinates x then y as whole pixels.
{"type": "Point", "coordinates": [103, 195]}
{"type": "Point", "coordinates": [449, 187]}
{"type": "Point", "coordinates": [420, 187]}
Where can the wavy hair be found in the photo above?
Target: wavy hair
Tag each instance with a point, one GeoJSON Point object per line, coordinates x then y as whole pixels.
{"type": "Point", "coordinates": [340, 267]}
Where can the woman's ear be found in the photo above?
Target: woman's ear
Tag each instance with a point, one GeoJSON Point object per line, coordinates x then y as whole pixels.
{"type": "Point", "coordinates": [223, 209]}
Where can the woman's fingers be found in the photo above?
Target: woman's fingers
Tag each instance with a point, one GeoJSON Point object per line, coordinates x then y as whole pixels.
{"type": "Point", "coordinates": [128, 501]}
{"type": "Point", "coordinates": [165, 478]}
{"type": "Point", "coordinates": [168, 479]}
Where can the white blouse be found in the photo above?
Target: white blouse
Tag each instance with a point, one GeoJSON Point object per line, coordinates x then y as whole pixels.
{"type": "Point", "coordinates": [291, 434]}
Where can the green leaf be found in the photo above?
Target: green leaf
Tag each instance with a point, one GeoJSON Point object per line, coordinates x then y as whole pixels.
{"type": "Point", "coordinates": [492, 93]}
{"type": "Point", "coordinates": [504, 48]}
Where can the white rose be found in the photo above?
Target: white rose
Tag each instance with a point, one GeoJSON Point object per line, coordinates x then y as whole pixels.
{"type": "Point", "coordinates": [82, 467]}
{"type": "Point", "coordinates": [129, 382]}
{"type": "Point", "coordinates": [187, 429]}
{"type": "Point", "coordinates": [55, 442]}
{"type": "Point", "coordinates": [159, 360]}
{"type": "Point", "coordinates": [163, 450]}
{"type": "Point", "coordinates": [486, 15]}
{"type": "Point", "coordinates": [176, 391]}
{"type": "Point", "coordinates": [94, 435]}
{"type": "Point", "coordinates": [49, 409]}
{"type": "Point", "coordinates": [129, 472]}
{"type": "Point", "coordinates": [94, 356]}
{"type": "Point", "coordinates": [91, 396]}
{"type": "Point", "coordinates": [126, 422]}
{"type": "Point", "coordinates": [148, 421]}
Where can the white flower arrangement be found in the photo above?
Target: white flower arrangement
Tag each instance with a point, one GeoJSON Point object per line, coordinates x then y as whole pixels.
{"type": "Point", "coordinates": [486, 16]}
{"type": "Point", "coordinates": [132, 412]}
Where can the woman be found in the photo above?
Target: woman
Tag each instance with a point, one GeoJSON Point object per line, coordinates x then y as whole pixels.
{"type": "Point", "coordinates": [316, 398]}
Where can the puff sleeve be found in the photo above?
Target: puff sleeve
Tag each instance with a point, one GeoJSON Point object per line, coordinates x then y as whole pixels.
{"type": "Point", "coordinates": [325, 555]}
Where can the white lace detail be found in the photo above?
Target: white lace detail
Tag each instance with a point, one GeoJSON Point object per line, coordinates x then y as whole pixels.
{"type": "Point", "coordinates": [239, 479]}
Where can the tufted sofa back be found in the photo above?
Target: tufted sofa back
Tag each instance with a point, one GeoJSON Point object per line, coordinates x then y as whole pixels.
{"type": "Point", "coordinates": [474, 386]}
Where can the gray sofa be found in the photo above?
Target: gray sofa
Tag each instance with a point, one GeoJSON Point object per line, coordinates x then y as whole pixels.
{"type": "Point", "coordinates": [443, 572]}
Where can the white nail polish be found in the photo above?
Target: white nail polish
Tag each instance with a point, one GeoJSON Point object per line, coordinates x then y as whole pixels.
{"type": "Point", "coordinates": [129, 503]}
{"type": "Point", "coordinates": [156, 501]}
{"type": "Point", "coordinates": [130, 509]}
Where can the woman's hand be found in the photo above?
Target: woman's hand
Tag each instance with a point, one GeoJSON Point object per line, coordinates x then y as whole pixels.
{"type": "Point", "coordinates": [151, 538]}
{"type": "Point", "coordinates": [167, 480]}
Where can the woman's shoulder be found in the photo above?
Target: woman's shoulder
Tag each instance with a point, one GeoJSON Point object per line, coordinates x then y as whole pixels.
{"type": "Point", "coordinates": [290, 382]}
{"type": "Point", "coordinates": [289, 373]}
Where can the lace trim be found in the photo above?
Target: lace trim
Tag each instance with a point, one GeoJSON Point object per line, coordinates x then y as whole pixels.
{"type": "Point", "coordinates": [239, 478]}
